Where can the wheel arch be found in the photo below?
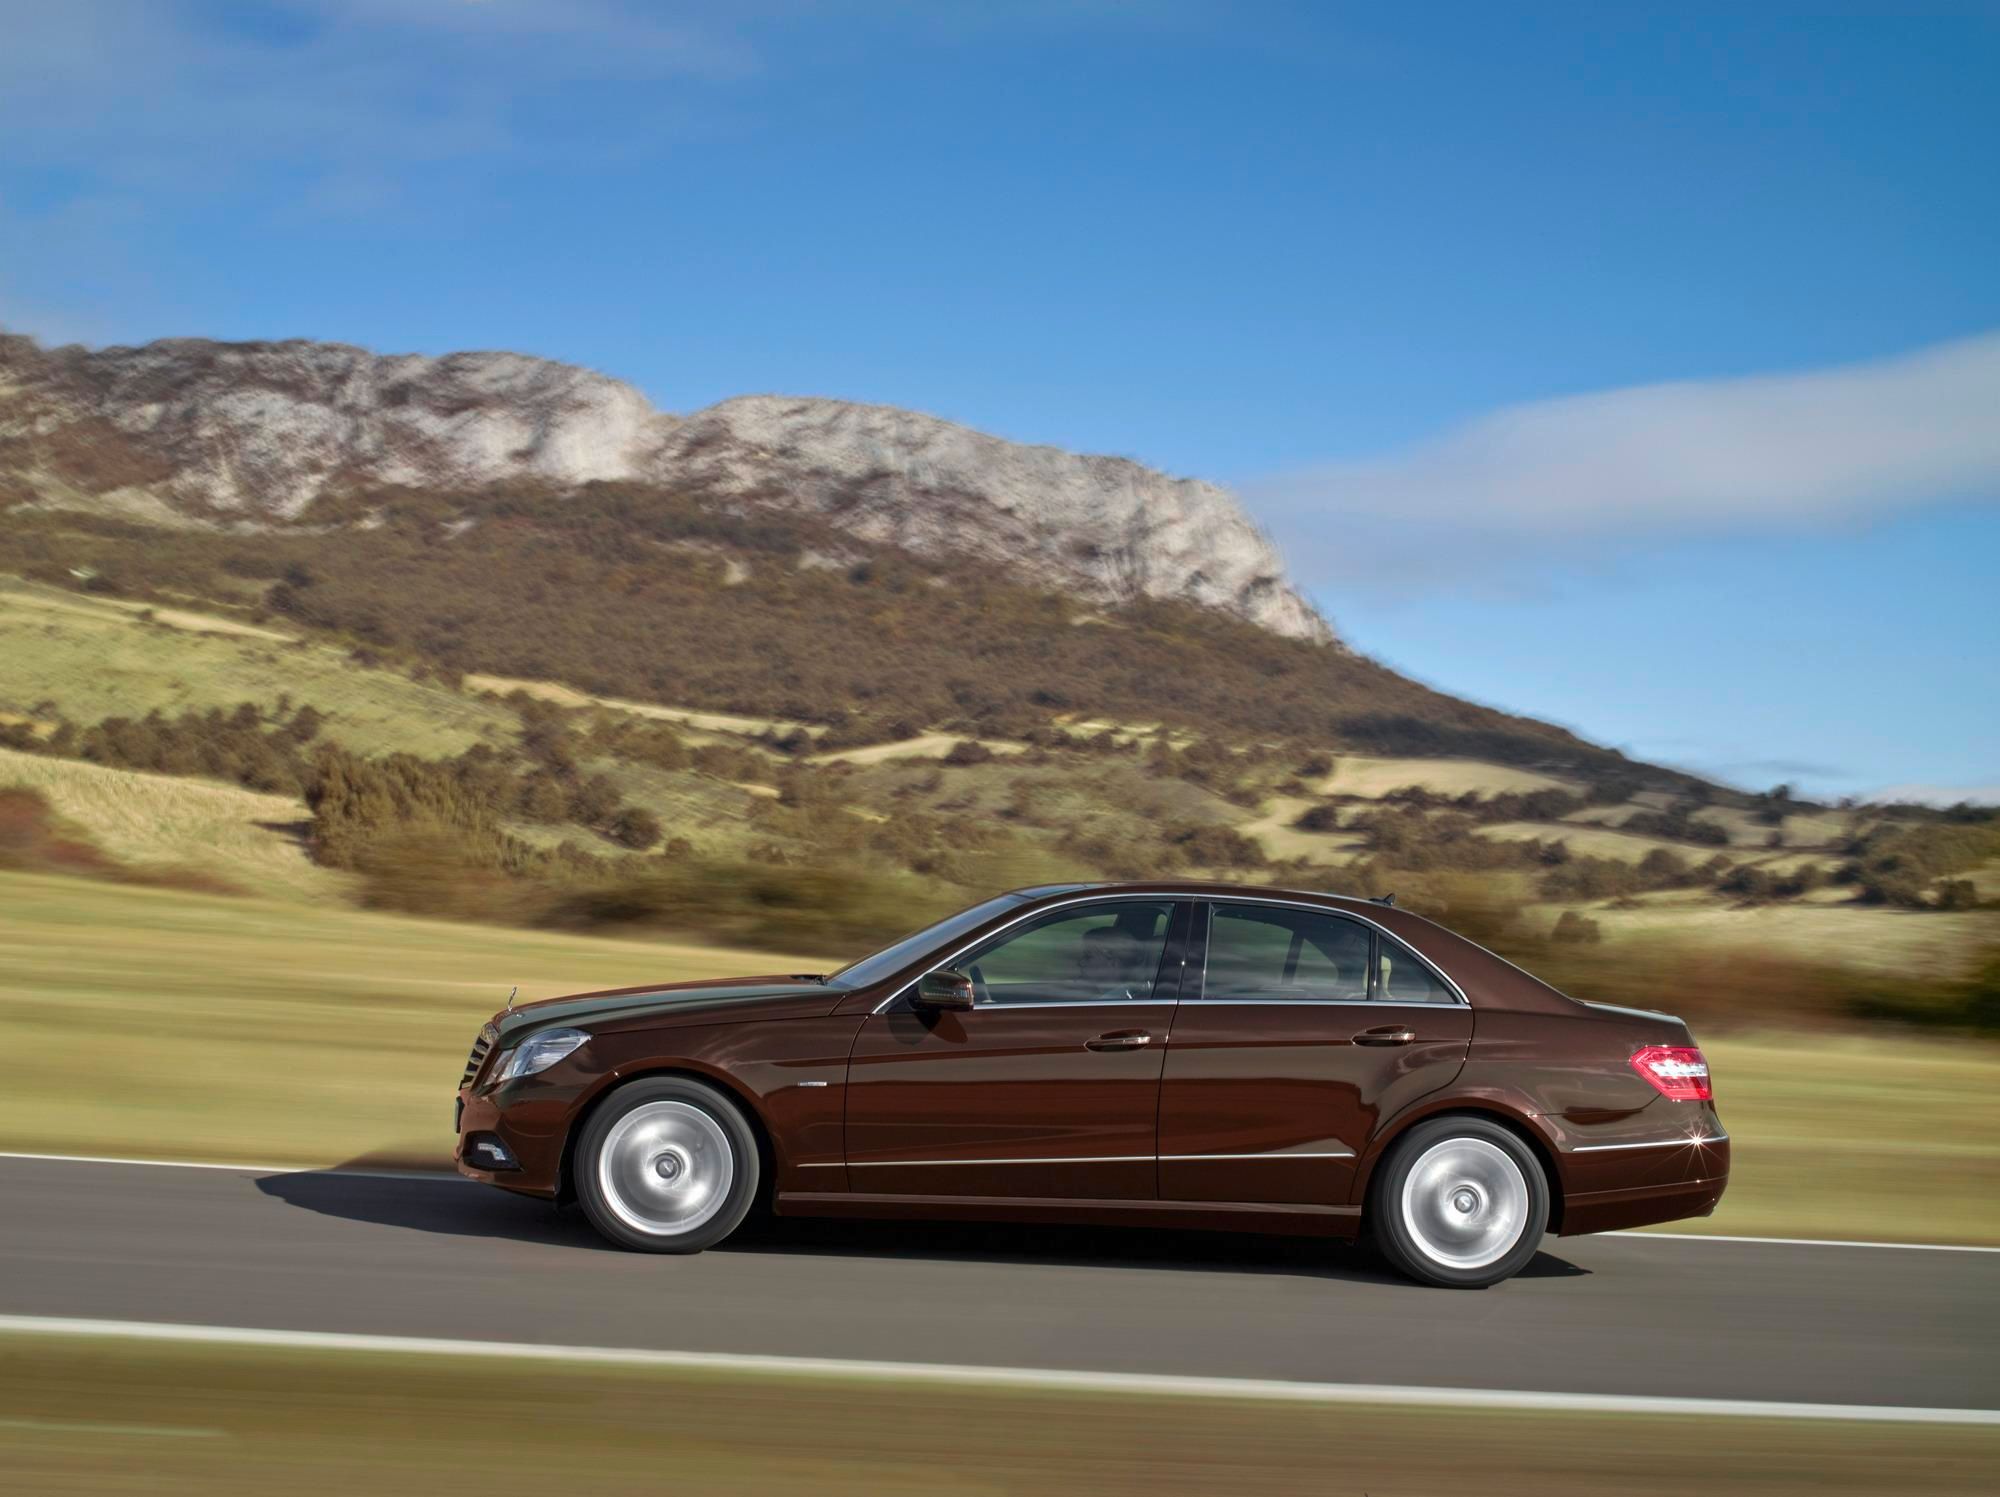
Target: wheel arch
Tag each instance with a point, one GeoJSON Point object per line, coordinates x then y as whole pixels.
{"type": "Point", "coordinates": [760, 1128]}
{"type": "Point", "coordinates": [1515, 1119]}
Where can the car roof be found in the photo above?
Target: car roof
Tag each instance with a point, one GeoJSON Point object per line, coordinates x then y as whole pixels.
{"type": "Point", "coordinates": [1210, 888]}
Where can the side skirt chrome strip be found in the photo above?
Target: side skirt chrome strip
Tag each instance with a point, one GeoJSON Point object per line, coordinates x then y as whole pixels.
{"type": "Point", "coordinates": [864, 1164]}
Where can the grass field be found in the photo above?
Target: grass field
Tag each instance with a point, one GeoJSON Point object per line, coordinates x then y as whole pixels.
{"type": "Point", "coordinates": [686, 717]}
{"type": "Point", "coordinates": [1919, 944]}
{"type": "Point", "coordinates": [158, 822]}
{"type": "Point", "coordinates": [1367, 776]}
{"type": "Point", "coordinates": [94, 660]}
{"type": "Point", "coordinates": [117, 1416]}
{"type": "Point", "coordinates": [923, 746]}
{"type": "Point", "coordinates": [171, 1025]}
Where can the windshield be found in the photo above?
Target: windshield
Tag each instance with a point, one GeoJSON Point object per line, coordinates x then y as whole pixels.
{"type": "Point", "coordinates": [892, 959]}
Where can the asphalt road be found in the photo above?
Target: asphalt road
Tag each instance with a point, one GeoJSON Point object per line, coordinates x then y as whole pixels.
{"type": "Point", "coordinates": [441, 1257]}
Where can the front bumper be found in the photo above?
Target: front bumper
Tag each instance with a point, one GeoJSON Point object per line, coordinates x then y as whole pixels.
{"type": "Point", "coordinates": [532, 1129]}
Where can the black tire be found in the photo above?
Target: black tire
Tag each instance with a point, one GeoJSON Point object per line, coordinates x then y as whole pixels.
{"type": "Point", "coordinates": [1476, 1211]}
{"type": "Point", "coordinates": [645, 1154]}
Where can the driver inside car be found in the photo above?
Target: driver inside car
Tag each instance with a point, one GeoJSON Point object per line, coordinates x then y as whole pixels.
{"type": "Point", "coordinates": [1109, 967]}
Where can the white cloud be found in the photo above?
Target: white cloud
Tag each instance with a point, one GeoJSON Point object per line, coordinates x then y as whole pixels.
{"type": "Point", "coordinates": [154, 93]}
{"type": "Point", "coordinates": [1784, 451]}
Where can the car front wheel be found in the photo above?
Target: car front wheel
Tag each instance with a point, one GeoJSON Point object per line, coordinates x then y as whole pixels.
{"type": "Point", "coordinates": [1461, 1203]}
{"type": "Point", "coordinates": [666, 1165]}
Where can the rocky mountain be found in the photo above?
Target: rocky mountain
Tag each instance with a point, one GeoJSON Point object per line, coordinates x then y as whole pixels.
{"type": "Point", "coordinates": [191, 431]}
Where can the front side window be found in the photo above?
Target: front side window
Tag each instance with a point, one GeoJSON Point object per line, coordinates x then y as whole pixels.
{"type": "Point", "coordinates": [1285, 956]}
{"type": "Point", "coordinates": [1104, 953]}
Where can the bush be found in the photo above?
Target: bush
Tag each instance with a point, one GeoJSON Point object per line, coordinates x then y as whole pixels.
{"type": "Point", "coordinates": [1215, 847]}
{"type": "Point", "coordinates": [636, 828]}
{"type": "Point", "coordinates": [1957, 894]}
{"type": "Point", "coordinates": [1576, 929]}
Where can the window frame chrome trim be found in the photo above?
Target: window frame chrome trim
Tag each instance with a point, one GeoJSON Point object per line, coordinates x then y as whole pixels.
{"type": "Point", "coordinates": [1189, 898]}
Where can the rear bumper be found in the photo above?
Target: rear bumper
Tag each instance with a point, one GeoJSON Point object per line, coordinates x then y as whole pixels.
{"type": "Point", "coordinates": [1643, 1172]}
{"type": "Point", "coordinates": [1641, 1205]}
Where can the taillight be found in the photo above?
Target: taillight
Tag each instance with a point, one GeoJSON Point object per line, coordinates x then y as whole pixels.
{"type": "Point", "coordinates": [1676, 1071]}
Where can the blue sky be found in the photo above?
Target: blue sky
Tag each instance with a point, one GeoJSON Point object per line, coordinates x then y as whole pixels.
{"type": "Point", "coordinates": [1411, 278]}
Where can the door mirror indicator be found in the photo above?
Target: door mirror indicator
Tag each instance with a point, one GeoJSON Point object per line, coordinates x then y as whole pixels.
{"type": "Point", "coordinates": [946, 990]}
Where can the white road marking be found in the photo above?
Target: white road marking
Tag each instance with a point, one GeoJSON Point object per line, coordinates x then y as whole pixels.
{"type": "Point", "coordinates": [1834, 1242]}
{"type": "Point", "coordinates": [1266, 1390]}
{"type": "Point", "coordinates": [300, 1169]}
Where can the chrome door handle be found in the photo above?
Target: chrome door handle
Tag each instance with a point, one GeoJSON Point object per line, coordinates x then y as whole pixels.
{"type": "Point", "coordinates": [1120, 1039]}
{"type": "Point", "coordinates": [1387, 1034]}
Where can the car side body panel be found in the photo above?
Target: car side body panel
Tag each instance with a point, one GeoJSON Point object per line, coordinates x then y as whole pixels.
{"type": "Point", "coordinates": [870, 1108]}
{"type": "Point", "coordinates": [1277, 1101]}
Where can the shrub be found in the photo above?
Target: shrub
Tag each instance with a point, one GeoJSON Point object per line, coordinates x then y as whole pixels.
{"type": "Point", "coordinates": [1957, 894]}
{"type": "Point", "coordinates": [1215, 847]}
{"type": "Point", "coordinates": [1576, 929]}
{"type": "Point", "coordinates": [636, 828]}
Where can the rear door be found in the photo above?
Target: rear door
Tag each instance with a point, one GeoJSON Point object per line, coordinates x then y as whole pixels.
{"type": "Point", "coordinates": [1048, 1086]}
{"type": "Point", "coordinates": [1299, 1028]}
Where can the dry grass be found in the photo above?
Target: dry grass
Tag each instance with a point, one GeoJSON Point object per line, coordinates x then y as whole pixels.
{"type": "Point", "coordinates": [94, 663]}
{"type": "Point", "coordinates": [156, 822]}
{"type": "Point", "coordinates": [1274, 832]}
{"type": "Point", "coordinates": [189, 1026]}
{"type": "Point", "coordinates": [1919, 944]}
{"type": "Point", "coordinates": [687, 717]}
{"type": "Point", "coordinates": [1591, 841]}
{"type": "Point", "coordinates": [924, 746]}
{"type": "Point", "coordinates": [1851, 1136]}
{"type": "Point", "coordinates": [15, 593]}
{"type": "Point", "coordinates": [140, 1416]}
{"type": "Point", "coordinates": [1363, 775]}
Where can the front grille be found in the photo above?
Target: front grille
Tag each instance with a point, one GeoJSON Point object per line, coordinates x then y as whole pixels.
{"type": "Point", "coordinates": [480, 1049]}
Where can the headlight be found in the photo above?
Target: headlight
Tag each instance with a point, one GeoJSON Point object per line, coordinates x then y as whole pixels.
{"type": "Point", "coordinates": [538, 1052]}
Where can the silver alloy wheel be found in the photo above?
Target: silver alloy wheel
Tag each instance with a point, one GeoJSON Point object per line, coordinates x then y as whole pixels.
{"type": "Point", "coordinates": [1465, 1203]}
{"type": "Point", "coordinates": [665, 1168]}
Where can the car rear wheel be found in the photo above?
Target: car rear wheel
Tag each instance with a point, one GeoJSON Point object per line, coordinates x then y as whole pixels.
{"type": "Point", "coordinates": [1461, 1203]}
{"type": "Point", "coordinates": [667, 1166]}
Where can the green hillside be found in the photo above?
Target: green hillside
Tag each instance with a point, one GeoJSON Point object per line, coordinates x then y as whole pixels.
{"type": "Point", "coordinates": [641, 594]}
{"type": "Point", "coordinates": [620, 710]}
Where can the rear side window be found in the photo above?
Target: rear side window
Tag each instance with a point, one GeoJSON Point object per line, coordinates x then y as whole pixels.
{"type": "Point", "coordinates": [1401, 978]}
{"type": "Point", "coordinates": [1282, 955]}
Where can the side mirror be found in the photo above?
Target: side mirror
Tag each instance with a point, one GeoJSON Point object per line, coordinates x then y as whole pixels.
{"type": "Point", "coordinates": [945, 990]}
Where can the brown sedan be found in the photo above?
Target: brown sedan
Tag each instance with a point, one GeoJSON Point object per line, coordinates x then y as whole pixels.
{"type": "Point", "coordinates": [1190, 1055]}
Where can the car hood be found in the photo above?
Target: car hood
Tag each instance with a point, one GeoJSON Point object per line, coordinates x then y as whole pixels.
{"type": "Point", "coordinates": [725, 999]}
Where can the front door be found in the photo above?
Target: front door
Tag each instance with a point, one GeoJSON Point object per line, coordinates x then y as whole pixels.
{"type": "Point", "coordinates": [1049, 1086]}
{"type": "Point", "coordinates": [1300, 1029]}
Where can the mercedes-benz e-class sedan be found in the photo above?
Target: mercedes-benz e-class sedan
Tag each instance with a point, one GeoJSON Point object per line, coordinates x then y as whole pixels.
{"type": "Point", "coordinates": [1188, 1055]}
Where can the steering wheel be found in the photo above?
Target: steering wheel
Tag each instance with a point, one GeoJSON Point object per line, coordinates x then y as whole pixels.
{"type": "Point", "coordinates": [979, 993]}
